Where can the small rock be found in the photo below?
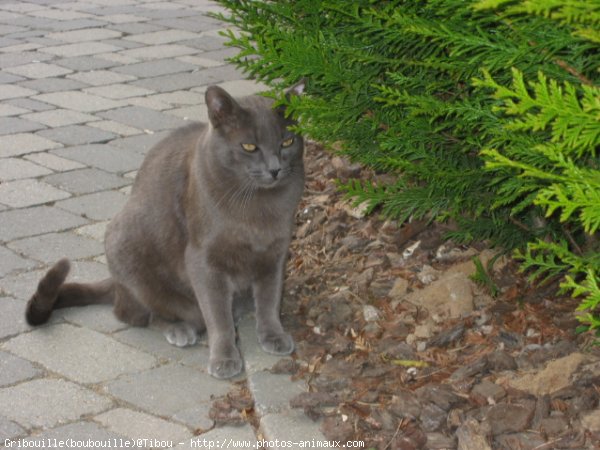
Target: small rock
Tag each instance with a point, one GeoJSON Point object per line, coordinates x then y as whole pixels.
{"type": "Point", "coordinates": [432, 417]}
{"type": "Point", "coordinates": [370, 313]}
{"type": "Point", "coordinates": [441, 394]}
{"type": "Point", "coordinates": [509, 418]}
{"type": "Point", "coordinates": [428, 274]}
{"type": "Point", "coordinates": [542, 410]}
{"type": "Point", "coordinates": [398, 290]}
{"type": "Point", "coordinates": [447, 337]}
{"type": "Point", "coordinates": [501, 360]}
{"type": "Point", "coordinates": [591, 421]}
{"type": "Point", "coordinates": [405, 404]}
{"type": "Point", "coordinates": [521, 441]}
{"type": "Point", "coordinates": [555, 376]}
{"type": "Point", "coordinates": [359, 211]}
{"type": "Point", "coordinates": [401, 351]}
{"type": "Point", "coordinates": [478, 366]}
{"type": "Point", "coordinates": [439, 441]}
{"type": "Point", "coordinates": [335, 429]}
{"type": "Point", "coordinates": [450, 296]}
{"type": "Point", "coordinates": [424, 330]}
{"type": "Point", "coordinates": [489, 390]}
{"type": "Point", "coordinates": [472, 436]}
{"type": "Point", "coordinates": [553, 426]}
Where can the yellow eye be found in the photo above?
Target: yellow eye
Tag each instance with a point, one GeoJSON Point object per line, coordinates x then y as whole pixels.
{"type": "Point", "coordinates": [249, 147]}
{"type": "Point", "coordinates": [287, 142]}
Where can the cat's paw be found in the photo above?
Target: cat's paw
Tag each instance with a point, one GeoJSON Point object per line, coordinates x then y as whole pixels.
{"type": "Point", "coordinates": [225, 367]}
{"type": "Point", "coordinates": [277, 344]}
{"type": "Point", "coordinates": [181, 335]}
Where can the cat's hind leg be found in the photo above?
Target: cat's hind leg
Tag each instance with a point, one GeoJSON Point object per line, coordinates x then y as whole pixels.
{"type": "Point", "coordinates": [127, 309]}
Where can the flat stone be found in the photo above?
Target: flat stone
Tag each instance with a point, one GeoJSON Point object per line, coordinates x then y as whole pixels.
{"type": "Point", "coordinates": [20, 144]}
{"type": "Point", "coordinates": [199, 61]}
{"type": "Point", "coordinates": [158, 52]}
{"type": "Point", "coordinates": [96, 317]}
{"type": "Point", "coordinates": [84, 63]}
{"type": "Point", "coordinates": [32, 221]}
{"type": "Point", "coordinates": [152, 340]}
{"type": "Point", "coordinates": [255, 359]}
{"type": "Point", "coordinates": [101, 77]}
{"type": "Point", "coordinates": [10, 262]}
{"type": "Point", "coordinates": [272, 393]}
{"type": "Point", "coordinates": [140, 144]}
{"type": "Point", "coordinates": [13, 91]}
{"type": "Point", "coordinates": [156, 68]}
{"type": "Point", "coordinates": [140, 426]}
{"type": "Point", "coordinates": [38, 70]}
{"type": "Point", "coordinates": [105, 157]}
{"type": "Point", "coordinates": [96, 206]}
{"type": "Point", "coordinates": [162, 37]}
{"type": "Point", "coordinates": [49, 402]}
{"type": "Point", "coordinates": [54, 162]}
{"type": "Point", "coordinates": [31, 105]}
{"type": "Point", "coordinates": [240, 88]}
{"type": "Point", "coordinates": [95, 358]}
{"type": "Point", "coordinates": [20, 58]}
{"type": "Point", "coordinates": [15, 168]}
{"type": "Point", "coordinates": [60, 117]}
{"type": "Point", "coordinates": [223, 435]}
{"type": "Point", "coordinates": [188, 80]}
{"type": "Point", "coordinates": [79, 49]}
{"type": "Point", "coordinates": [77, 135]}
{"type": "Point", "coordinates": [292, 426]}
{"type": "Point", "coordinates": [11, 125]}
{"type": "Point", "coordinates": [51, 247]}
{"type": "Point", "coordinates": [119, 91]}
{"type": "Point", "coordinates": [87, 34]}
{"type": "Point", "coordinates": [85, 181]}
{"type": "Point", "coordinates": [13, 316]}
{"type": "Point", "coordinates": [79, 101]}
{"type": "Point", "coordinates": [143, 118]}
{"type": "Point", "coordinates": [196, 417]}
{"type": "Point", "coordinates": [180, 98]}
{"type": "Point", "coordinates": [81, 433]}
{"type": "Point", "coordinates": [9, 430]}
{"type": "Point", "coordinates": [28, 192]}
{"type": "Point", "coordinates": [95, 230]}
{"type": "Point", "coordinates": [14, 369]}
{"type": "Point", "coordinates": [9, 110]}
{"type": "Point", "coordinates": [48, 85]}
{"type": "Point", "coordinates": [188, 387]}
{"type": "Point", "coordinates": [116, 128]}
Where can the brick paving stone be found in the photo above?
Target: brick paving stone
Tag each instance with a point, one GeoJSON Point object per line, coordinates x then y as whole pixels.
{"type": "Point", "coordinates": [192, 113]}
{"type": "Point", "coordinates": [28, 192]}
{"type": "Point", "coordinates": [53, 162]}
{"type": "Point", "coordinates": [162, 37]}
{"type": "Point", "coordinates": [158, 52]}
{"type": "Point", "coordinates": [48, 85]}
{"type": "Point", "coordinates": [143, 118]}
{"type": "Point", "coordinates": [81, 433]}
{"type": "Point", "coordinates": [187, 388]}
{"type": "Point", "coordinates": [155, 68]}
{"type": "Point", "coordinates": [153, 341]}
{"type": "Point", "coordinates": [149, 103]}
{"type": "Point", "coordinates": [239, 88]}
{"type": "Point", "coordinates": [180, 98]}
{"type": "Point", "coordinates": [136, 28]}
{"type": "Point", "coordinates": [119, 91]}
{"type": "Point", "coordinates": [96, 206]}
{"type": "Point", "coordinates": [86, 181]}
{"type": "Point", "coordinates": [18, 59]}
{"type": "Point", "coordinates": [105, 157]}
{"type": "Point", "coordinates": [87, 34]}
{"type": "Point", "coordinates": [51, 247]}
{"type": "Point", "coordinates": [38, 70]}
{"type": "Point", "coordinates": [77, 135]}
{"type": "Point", "coordinates": [60, 14]}
{"type": "Point", "coordinates": [115, 127]}
{"type": "Point", "coordinates": [95, 230]}
{"type": "Point", "coordinates": [49, 402]}
{"type": "Point", "coordinates": [79, 101]}
{"type": "Point", "coordinates": [176, 82]}
{"type": "Point", "coordinates": [137, 425]}
{"type": "Point", "coordinates": [9, 110]}
{"type": "Point", "coordinates": [32, 105]}
{"type": "Point", "coordinates": [272, 392]}
{"type": "Point", "coordinates": [196, 24]}
{"type": "Point", "coordinates": [16, 168]}
{"type": "Point", "coordinates": [13, 316]}
{"type": "Point", "coordinates": [101, 77]}
{"type": "Point", "coordinates": [222, 436]}
{"type": "Point", "coordinates": [205, 42]}
{"type": "Point", "coordinates": [80, 49]}
{"type": "Point", "coordinates": [10, 125]}
{"type": "Point", "coordinates": [196, 417]}
{"type": "Point", "coordinates": [96, 317]}
{"type": "Point", "coordinates": [60, 117]}
{"type": "Point", "coordinates": [84, 63]}
{"type": "Point", "coordinates": [124, 18]}
{"type": "Point", "coordinates": [68, 25]}
{"type": "Point", "coordinates": [10, 261]}
{"type": "Point", "coordinates": [14, 369]}
{"type": "Point", "coordinates": [20, 144]}
{"type": "Point", "coordinates": [9, 429]}
{"type": "Point", "coordinates": [256, 360]}
{"type": "Point", "coordinates": [140, 144]}
{"type": "Point", "coordinates": [201, 62]}
{"type": "Point", "coordinates": [18, 223]}
{"type": "Point", "coordinates": [95, 358]}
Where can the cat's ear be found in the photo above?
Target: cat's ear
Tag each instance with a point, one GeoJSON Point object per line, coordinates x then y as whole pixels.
{"type": "Point", "coordinates": [222, 108]}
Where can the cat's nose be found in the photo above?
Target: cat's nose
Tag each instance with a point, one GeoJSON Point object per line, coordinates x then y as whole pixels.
{"type": "Point", "coordinates": [274, 173]}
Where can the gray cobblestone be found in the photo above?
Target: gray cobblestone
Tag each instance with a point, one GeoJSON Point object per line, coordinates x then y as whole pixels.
{"type": "Point", "coordinates": [96, 317]}
{"type": "Point", "coordinates": [15, 168]}
{"type": "Point", "coordinates": [21, 143]}
{"type": "Point", "coordinates": [85, 181]}
{"type": "Point", "coordinates": [9, 125]}
{"type": "Point", "coordinates": [78, 101]}
{"type": "Point", "coordinates": [9, 429]}
{"type": "Point", "coordinates": [51, 247]}
{"type": "Point", "coordinates": [159, 52]}
{"type": "Point", "coordinates": [14, 369]}
{"type": "Point", "coordinates": [38, 70]}
{"type": "Point", "coordinates": [156, 68]}
{"type": "Point", "coordinates": [81, 432]}
{"type": "Point", "coordinates": [105, 157]}
{"type": "Point", "coordinates": [84, 63]}
{"type": "Point", "coordinates": [137, 425]}
{"type": "Point", "coordinates": [272, 393]}
{"type": "Point", "coordinates": [53, 162]}
{"type": "Point", "coordinates": [86, 362]}
{"type": "Point", "coordinates": [9, 262]}
{"type": "Point", "coordinates": [96, 206]}
{"type": "Point", "coordinates": [28, 192]}
{"type": "Point", "coordinates": [13, 319]}
{"type": "Point", "coordinates": [77, 135]}
{"type": "Point", "coordinates": [49, 402]}
{"type": "Point", "coordinates": [143, 118]}
{"type": "Point", "coordinates": [292, 426]}
{"type": "Point", "coordinates": [101, 77]}
{"type": "Point", "coordinates": [119, 91]}
{"type": "Point", "coordinates": [80, 49]}
{"type": "Point", "coordinates": [49, 85]}
{"type": "Point", "coordinates": [59, 117]}
{"type": "Point", "coordinates": [37, 220]}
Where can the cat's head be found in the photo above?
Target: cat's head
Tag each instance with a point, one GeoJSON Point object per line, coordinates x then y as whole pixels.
{"type": "Point", "coordinates": [252, 139]}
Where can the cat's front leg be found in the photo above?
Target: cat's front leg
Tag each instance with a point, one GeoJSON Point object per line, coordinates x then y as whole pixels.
{"type": "Point", "coordinates": [267, 292]}
{"type": "Point", "coordinates": [214, 293]}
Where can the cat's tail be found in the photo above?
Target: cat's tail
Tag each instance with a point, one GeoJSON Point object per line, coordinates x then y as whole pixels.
{"type": "Point", "coordinates": [53, 293]}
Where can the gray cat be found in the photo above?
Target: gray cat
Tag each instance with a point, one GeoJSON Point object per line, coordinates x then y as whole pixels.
{"type": "Point", "coordinates": [210, 216]}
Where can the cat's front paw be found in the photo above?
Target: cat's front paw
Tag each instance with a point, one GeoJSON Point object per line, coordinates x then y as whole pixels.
{"type": "Point", "coordinates": [181, 335]}
{"type": "Point", "coordinates": [225, 367]}
{"type": "Point", "coordinates": [277, 344]}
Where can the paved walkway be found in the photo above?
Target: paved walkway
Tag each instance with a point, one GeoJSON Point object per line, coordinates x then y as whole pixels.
{"type": "Point", "coordinates": [86, 88]}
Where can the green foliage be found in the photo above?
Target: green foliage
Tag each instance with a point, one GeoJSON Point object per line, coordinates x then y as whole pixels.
{"type": "Point", "coordinates": [487, 112]}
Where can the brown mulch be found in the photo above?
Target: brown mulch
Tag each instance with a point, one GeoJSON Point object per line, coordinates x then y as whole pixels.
{"type": "Point", "coordinates": [400, 376]}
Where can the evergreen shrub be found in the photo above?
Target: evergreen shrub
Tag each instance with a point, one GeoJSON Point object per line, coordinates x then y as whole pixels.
{"type": "Point", "coordinates": [488, 112]}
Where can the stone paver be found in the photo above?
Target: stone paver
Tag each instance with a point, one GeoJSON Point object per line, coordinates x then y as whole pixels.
{"type": "Point", "coordinates": [86, 89]}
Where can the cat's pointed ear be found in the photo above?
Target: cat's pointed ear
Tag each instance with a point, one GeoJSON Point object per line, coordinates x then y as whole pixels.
{"type": "Point", "coordinates": [221, 106]}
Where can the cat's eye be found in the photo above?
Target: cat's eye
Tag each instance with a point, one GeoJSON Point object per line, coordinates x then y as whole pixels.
{"type": "Point", "coordinates": [287, 142]}
{"type": "Point", "coordinates": [249, 147]}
